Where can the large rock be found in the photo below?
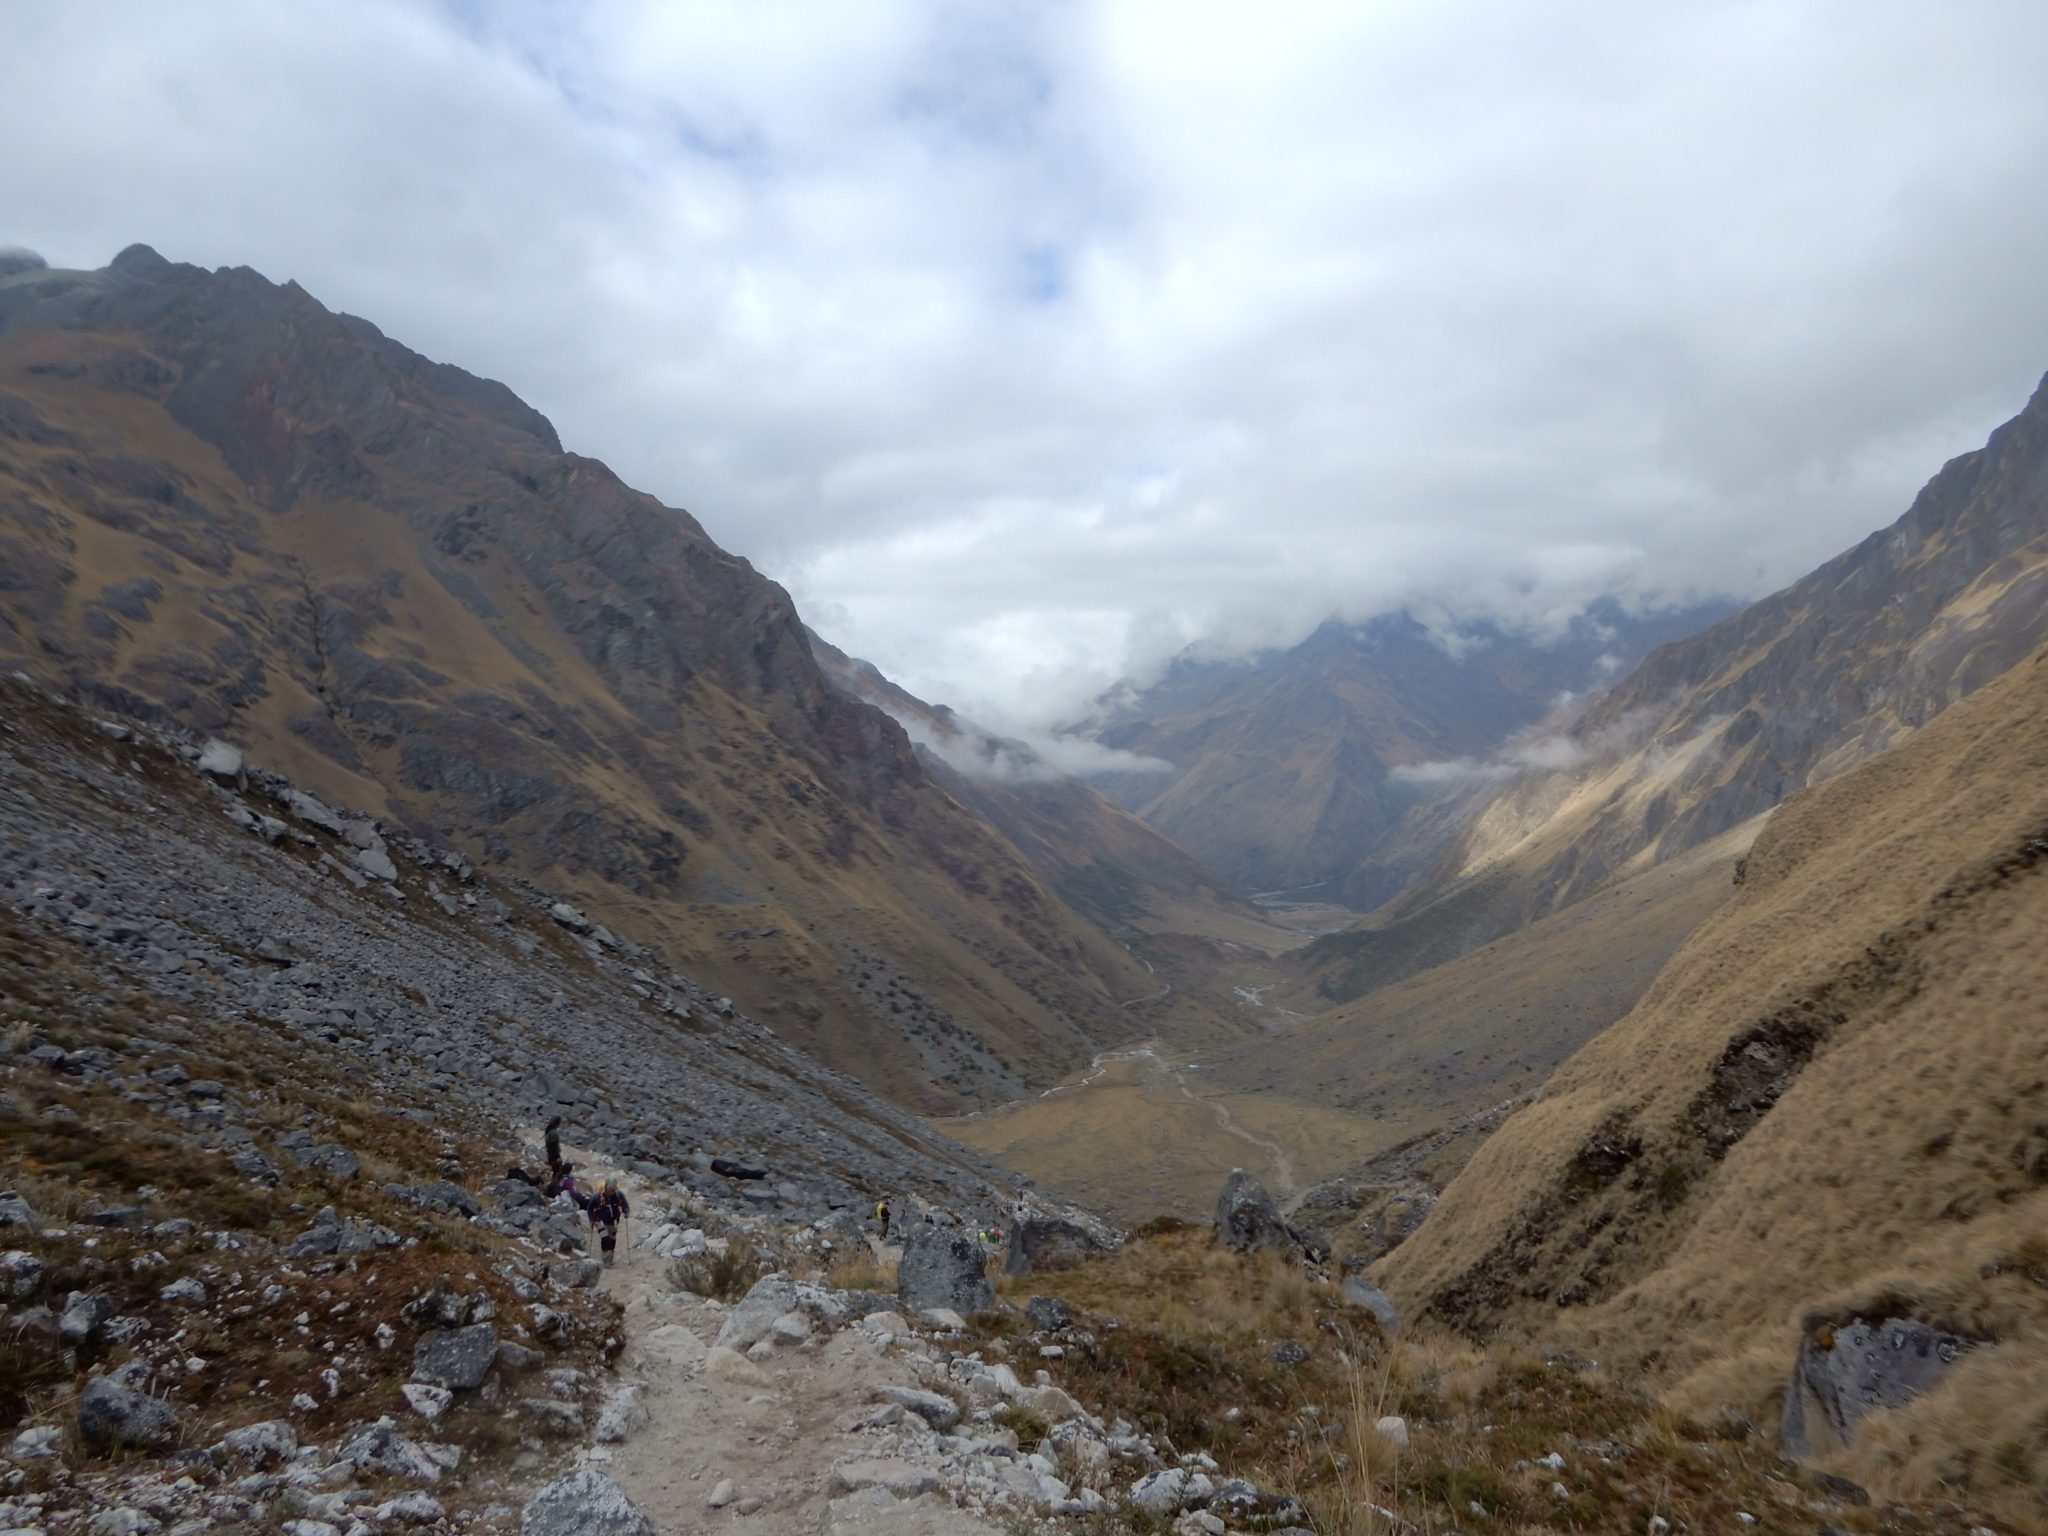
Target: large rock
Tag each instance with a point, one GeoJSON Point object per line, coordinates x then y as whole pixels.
{"type": "Point", "coordinates": [753, 1319]}
{"type": "Point", "coordinates": [585, 1503]}
{"type": "Point", "coordinates": [943, 1269]}
{"type": "Point", "coordinates": [1247, 1218]}
{"type": "Point", "coordinates": [459, 1358]}
{"type": "Point", "coordinates": [113, 1415]}
{"type": "Point", "coordinates": [1046, 1243]}
{"type": "Point", "coordinates": [1846, 1372]}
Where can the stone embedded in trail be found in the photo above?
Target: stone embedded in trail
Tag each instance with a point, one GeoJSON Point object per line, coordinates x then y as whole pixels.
{"type": "Point", "coordinates": [942, 1268]}
{"type": "Point", "coordinates": [1848, 1371]}
{"type": "Point", "coordinates": [585, 1503]}
{"type": "Point", "coordinates": [460, 1358]}
{"type": "Point", "coordinates": [1042, 1243]}
{"type": "Point", "coordinates": [111, 1414]}
{"type": "Point", "coordinates": [901, 1479]}
{"type": "Point", "coordinates": [941, 1412]}
{"type": "Point", "coordinates": [754, 1318]}
{"type": "Point", "coordinates": [621, 1414]}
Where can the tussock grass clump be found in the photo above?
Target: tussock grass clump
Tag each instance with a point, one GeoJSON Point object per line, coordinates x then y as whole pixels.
{"type": "Point", "coordinates": [861, 1272]}
{"type": "Point", "coordinates": [723, 1276]}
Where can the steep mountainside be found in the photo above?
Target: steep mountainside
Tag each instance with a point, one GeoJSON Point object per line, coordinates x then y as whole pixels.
{"type": "Point", "coordinates": [1285, 760]}
{"type": "Point", "coordinates": [1714, 730]}
{"type": "Point", "coordinates": [222, 504]}
{"type": "Point", "coordinates": [1832, 1105]}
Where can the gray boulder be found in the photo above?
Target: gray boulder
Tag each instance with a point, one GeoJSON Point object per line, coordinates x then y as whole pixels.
{"type": "Point", "coordinates": [220, 760]}
{"type": "Point", "coordinates": [460, 1358]}
{"type": "Point", "coordinates": [751, 1321]}
{"type": "Point", "coordinates": [1361, 1293]}
{"type": "Point", "coordinates": [16, 1212]}
{"type": "Point", "coordinates": [83, 1316]}
{"type": "Point", "coordinates": [585, 1503]}
{"type": "Point", "coordinates": [1049, 1314]}
{"type": "Point", "coordinates": [379, 1447]}
{"type": "Point", "coordinates": [266, 1444]}
{"type": "Point", "coordinates": [943, 1270]}
{"type": "Point", "coordinates": [1845, 1372]}
{"type": "Point", "coordinates": [113, 1415]}
{"type": "Point", "coordinates": [1045, 1243]}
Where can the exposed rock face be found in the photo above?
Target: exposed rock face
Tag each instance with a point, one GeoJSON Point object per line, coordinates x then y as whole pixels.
{"type": "Point", "coordinates": [1844, 1373]}
{"type": "Point", "coordinates": [556, 671]}
{"type": "Point", "coordinates": [943, 1269]}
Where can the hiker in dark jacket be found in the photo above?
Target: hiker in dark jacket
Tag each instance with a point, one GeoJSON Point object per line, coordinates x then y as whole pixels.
{"type": "Point", "coordinates": [607, 1209]}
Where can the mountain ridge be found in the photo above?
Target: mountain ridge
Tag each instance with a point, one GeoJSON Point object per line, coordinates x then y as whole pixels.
{"type": "Point", "coordinates": [221, 504]}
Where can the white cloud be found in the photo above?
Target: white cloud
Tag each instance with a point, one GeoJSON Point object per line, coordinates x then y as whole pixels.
{"type": "Point", "coordinates": [1031, 344]}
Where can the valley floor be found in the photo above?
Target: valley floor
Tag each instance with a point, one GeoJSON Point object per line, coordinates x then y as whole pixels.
{"type": "Point", "coordinates": [1142, 1133]}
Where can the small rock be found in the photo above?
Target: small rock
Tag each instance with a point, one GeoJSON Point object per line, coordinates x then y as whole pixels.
{"type": "Point", "coordinates": [426, 1399]}
{"type": "Point", "coordinates": [188, 1292]}
{"type": "Point", "coordinates": [1393, 1429]}
{"type": "Point", "coordinates": [585, 1503]}
{"type": "Point", "coordinates": [267, 1443]}
{"type": "Point", "coordinates": [410, 1509]}
{"type": "Point", "coordinates": [721, 1494]}
{"type": "Point", "coordinates": [942, 1413]}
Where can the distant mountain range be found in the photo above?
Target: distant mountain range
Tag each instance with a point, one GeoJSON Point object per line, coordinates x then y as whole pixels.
{"type": "Point", "coordinates": [1294, 767]}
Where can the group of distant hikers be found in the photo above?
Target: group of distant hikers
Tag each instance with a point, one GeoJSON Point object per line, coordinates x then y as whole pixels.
{"type": "Point", "coordinates": [606, 1206]}
{"type": "Point", "coordinates": [990, 1237]}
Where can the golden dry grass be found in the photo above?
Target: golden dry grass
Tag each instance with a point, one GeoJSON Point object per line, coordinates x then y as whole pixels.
{"type": "Point", "coordinates": [1894, 921]}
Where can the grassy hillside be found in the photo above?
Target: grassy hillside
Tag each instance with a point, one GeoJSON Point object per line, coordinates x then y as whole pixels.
{"type": "Point", "coordinates": [1833, 1103]}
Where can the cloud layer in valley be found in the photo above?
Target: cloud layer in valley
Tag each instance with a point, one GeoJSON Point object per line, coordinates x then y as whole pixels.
{"type": "Point", "coordinates": [1029, 344]}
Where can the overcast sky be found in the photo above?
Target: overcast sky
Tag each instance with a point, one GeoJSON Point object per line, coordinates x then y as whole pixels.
{"type": "Point", "coordinates": [1027, 344]}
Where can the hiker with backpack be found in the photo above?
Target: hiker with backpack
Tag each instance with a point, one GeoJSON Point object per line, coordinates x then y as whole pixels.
{"type": "Point", "coordinates": [608, 1208]}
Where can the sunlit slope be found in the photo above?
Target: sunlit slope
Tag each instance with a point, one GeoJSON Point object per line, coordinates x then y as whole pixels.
{"type": "Point", "coordinates": [1713, 730]}
{"type": "Point", "coordinates": [1833, 1101]}
{"type": "Point", "coordinates": [223, 504]}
